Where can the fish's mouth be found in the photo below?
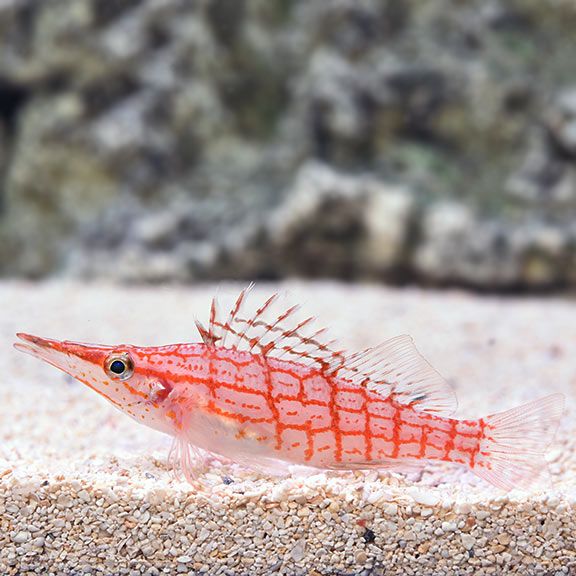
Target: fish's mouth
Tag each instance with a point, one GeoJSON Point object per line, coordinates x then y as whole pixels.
{"type": "Point", "coordinates": [43, 348]}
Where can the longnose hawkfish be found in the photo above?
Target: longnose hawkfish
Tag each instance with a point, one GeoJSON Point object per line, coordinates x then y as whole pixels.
{"type": "Point", "coordinates": [267, 390]}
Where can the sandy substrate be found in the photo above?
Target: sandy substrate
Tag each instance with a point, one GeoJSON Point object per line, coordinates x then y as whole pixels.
{"type": "Point", "coordinates": [84, 490]}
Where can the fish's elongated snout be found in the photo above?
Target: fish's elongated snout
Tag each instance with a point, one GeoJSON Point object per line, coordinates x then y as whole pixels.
{"type": "Point", "coordinates": [55, 352]}
{"type": "Point", "coordinates": [35, 341]}
{"type": "Point", "coordinates": [42, 348]}
{"type": "Point", "coordinates": [62, 354]}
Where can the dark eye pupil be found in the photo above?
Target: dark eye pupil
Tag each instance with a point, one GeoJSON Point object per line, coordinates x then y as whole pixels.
{"type": "Point", "coordinates": [117, 367]}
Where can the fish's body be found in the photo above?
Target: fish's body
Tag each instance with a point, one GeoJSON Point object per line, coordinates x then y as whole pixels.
{"type": "Point", "coordinates": [277, 395]}
{"type": "Point", "coordinates": [301, 415]}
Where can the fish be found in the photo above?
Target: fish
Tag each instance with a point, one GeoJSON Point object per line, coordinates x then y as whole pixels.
{"type": "Point", "coordinates": [265, 388]}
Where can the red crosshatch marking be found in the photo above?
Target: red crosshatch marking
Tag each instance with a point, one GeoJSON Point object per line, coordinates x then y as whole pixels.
{"type": "Point", "coordinates": [329, 419]}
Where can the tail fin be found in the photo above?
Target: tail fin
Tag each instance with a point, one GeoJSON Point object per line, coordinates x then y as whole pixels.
{"type": "Point", "coordinates": [512, 451]}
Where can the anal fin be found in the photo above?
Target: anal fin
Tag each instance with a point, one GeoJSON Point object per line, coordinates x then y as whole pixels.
{"type": "Point", "coordinates": [388, 464]}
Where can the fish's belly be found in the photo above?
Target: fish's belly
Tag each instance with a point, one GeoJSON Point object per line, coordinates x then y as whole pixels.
{"type": "Point", "coordinates": [230, 436]}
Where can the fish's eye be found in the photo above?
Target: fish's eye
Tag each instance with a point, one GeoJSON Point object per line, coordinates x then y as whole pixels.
{"type": "Point", "coordinates": [119, 366]}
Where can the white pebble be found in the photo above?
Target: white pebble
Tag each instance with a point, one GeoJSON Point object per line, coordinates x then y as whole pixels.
{"type": "Point", "coordinates": [421, 497]}
{"type": "Point", "coordinates": [391, 509]}
{"type": "Point", "coordinates": [183, 559]}
{"type": "Point", "coordinates": [298, 550]}
{"type": "Point", "coordinates": [83, 495]}
{"type": "Point", "coordinates": [21, 537]}
{"type": "Point", "coordinates": [468, 541]}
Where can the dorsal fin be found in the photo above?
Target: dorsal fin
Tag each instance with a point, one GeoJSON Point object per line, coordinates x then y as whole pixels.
{"type": "Point", "coordinates": [274, 329]}
{"type": "Point", "coordinates": [395, 367]}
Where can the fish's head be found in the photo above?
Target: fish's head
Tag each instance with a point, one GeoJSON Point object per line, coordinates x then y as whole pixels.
{"type": "Point", "coordinates": [125, 375]}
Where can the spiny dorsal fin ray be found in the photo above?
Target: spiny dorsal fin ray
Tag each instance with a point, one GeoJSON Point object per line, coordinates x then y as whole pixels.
{"type": "Point", "coordinates": [273, 329]}
{"type": "Point", "coordinates": [207, 338]}
{"type": "Point", "coordinates": [396, 368]}
{"type": "Point", "coordinates": [234, 314]}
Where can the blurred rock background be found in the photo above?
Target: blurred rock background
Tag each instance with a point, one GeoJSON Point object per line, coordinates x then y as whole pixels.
{"type": "Point", "coordinates": [401, 140]}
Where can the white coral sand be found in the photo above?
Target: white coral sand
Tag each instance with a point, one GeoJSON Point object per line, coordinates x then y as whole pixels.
{"type": "Point", "coordinates": [83, 489]}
